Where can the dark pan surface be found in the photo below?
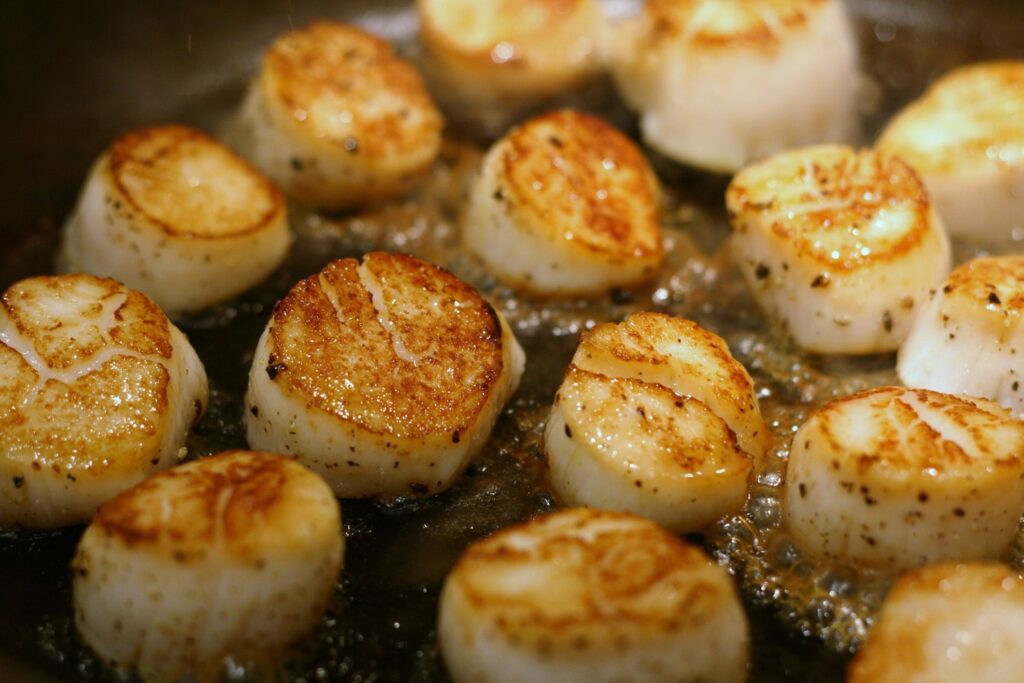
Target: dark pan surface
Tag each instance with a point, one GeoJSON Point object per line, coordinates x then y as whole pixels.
{"type": "Point", "coordinates": [75, 75]}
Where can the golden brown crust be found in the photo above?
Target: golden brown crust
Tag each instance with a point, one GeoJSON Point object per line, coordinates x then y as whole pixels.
{"type": "Point", "coordinates": [109, 313]}
{"type": "Point", "coordinates": [417, 358]}
{"type": "Point", "coordinates": [727, 24]}
{"type": "Point", "coordinates": [189, 185]}
{"type": "Point", "coordinates": [928, 602]}
{"type": "Point", "coordinates": [642, 328]}
{"type": "Point", "coordinates": [684, 357]}
{"type": "Point", "coordinates": [83, 361]}
{"type": "Point", "coordinates": [676, 436]}
{"type": "Point", "coordinates": [965, 117]}
{"type": "Point", "coordinates": [609, 578]}
{"type": "Point", "coordinates": [993, 282]}
{"type": "Point", "coordinates": [904, 445]}
{"type": "Point", "coordinates": [238, 501]}
{"type": "Point", "coordinates": [578, 175]}
{"type": "Point", "coordinates": [327, 69]}
{"type": "Point", "coordinates": [822, 202]}
{"type": "Point", "coordinates": [54, 426]}
{"type": "Point", "coordinates": [472, 30]}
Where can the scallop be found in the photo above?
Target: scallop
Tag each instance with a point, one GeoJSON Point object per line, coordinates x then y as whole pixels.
{"type": "Point", "coordinates": [171, 212]}
{"type": "Point", "coordinates": [384, 376]}
{"type": "Point", "coordinates": [841, 246]}
{"type": "Point", "coordinates": [565, 205]}
{"type": "Point", "coordinates": [967, 338]}
{"type": "Point", "coordinates": [599, 597]}
{"type": "Point", "coordinates": [226, 559]}
{"type": "Point", "coordinates": [965, 137]}
{"type": "Point", "coordinates": [945, 624]}
{"type": "Point", "coordinates": [655, 417]}
{"type": "Point", "coordinates": [97, 390]}
{"type": "Point", "coordinates": [896, 478]}
{"type": "Point", "coordinates": [491, 61]}
{"type": "Point", "coordinates": [337, 119]}
{"type": "Point", "coordinates": [721, 83]}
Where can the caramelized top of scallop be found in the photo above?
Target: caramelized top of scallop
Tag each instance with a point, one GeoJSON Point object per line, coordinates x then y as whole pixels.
{"type": "Point", "coordinates": [576, 177]}
{"type": "Point", "coordinates": [994, 283]}
{"type": "Point", "coordinates": [397, 345]}
{"type": "Point", "coordinates": [843, 208]}
{"type": "Point", "coordinates": [726, 24]}
{"type": "Point", "coordinates": [346, 88]}
{"type": "Point", "coordinates": [83, 360]}
{"type": "Point", "coordinates": [189, 185]}
{"type": "Point", "coordinates": [972, 115]}
{"type": "Point", "coordinates": [918, 435]}
{"type": "Point", "coordinates": [240, 503]}
{"type": "Point", "coordinates": [686, 359]}
{"type": "Point", "coordinates": [586, 579]}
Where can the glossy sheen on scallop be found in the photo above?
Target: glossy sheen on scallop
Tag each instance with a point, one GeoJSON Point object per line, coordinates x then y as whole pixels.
{"type": "Point", "coordinates": [965, 137]}
{"type": "Point", "coordinates": [565, 205]}
{"type": "Point", "coordinates": [232, 555]}
{"type": "Point", "coordinates": [97, 391]}
{"type": "Point", "coordinates": [655, 417]}
{"type": "Point", "coordinates": [499, 57]}
{"type": "Point", "coordinates": [968, 339]}
{"type": "Point", "coordinates": [173, 213]}
{"type": "Point", "coordinates": [896, 478]}
{"type": "Point", "coordinates": [597, 597]}
{"type": "Point", "coordinates": [385, 376]}
{"type": "Point", "coordinates": [720, 83]}
{"type": "Point", "coordinates": [337, 119]}
{"type": "Point", "coordinates": [839, 245]}
{"type": "Point", "coordinates": [946, 624]}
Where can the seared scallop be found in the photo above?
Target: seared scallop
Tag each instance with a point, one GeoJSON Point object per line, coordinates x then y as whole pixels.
{"type": "Point", "coordinates": [596, 597]}
{"type": "Point", "coordinates": [491, 60]}
{"type": "Point", "coordinates": [968, 339]}
{"type": "Point", "coordinates": [232, 556]}
{"type": "Point", "coordinates": [384, 376]}
{"type": "Point", "coordinates": [965, 137]}
{"type": "Point", "coordinates": [946, 624]}
{"type": "Point", "coordinates": [895, 478]}
{"type": "Point", "coordinates": [839, 245]}
{"type": "Point", "coordinates": [97, 391]}
{"type": "Point", "coordinates": [565, 204]}
{"type": "Point", "coordinates": [175, 214]}
{"type": "Point", "coordinates": [720, 83]}
{"type": "Point", "coordinates": [337, 119]}
{"type": "Point", "coordinates": [657, 418]}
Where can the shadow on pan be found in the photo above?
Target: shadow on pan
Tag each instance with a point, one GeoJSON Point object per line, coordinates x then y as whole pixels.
{"type": "Point", "coordinates": [75, 75]}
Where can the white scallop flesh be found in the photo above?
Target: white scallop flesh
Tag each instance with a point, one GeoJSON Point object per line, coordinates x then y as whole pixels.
{"type": "Point", "coordinates": [590, 596]}
{"type": "Point", "coordinates": [968, 338]}
{"type": "Point", "coordinates": [384, 376]}
{"type": "Point", "coordinates": [896, 478]}
{"type": "Point", "coordinates": [655, 417]}
{"type": "Point", "coordinates": [721, 83]}
{"type": "Point", "coordinates": [565, 205]}
{"type": "Point", "coordinates": [173, 213]}
{"type": "Point", "coordinates": [337, 119]}
{"type": "Point", "coordinates": [840, 246]}
{"type": "Point", "coordinates": [98, 391]}
{"type": "Point", "coordinates": [965, 137]}
{"type": "Point", "coordinates": [231, 557]}
{"type": "Point", "coordinates": [947, 623]}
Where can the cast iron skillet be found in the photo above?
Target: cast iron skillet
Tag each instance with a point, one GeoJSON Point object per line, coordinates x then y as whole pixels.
{"type": "Point", "coordinates": [75, 75]}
